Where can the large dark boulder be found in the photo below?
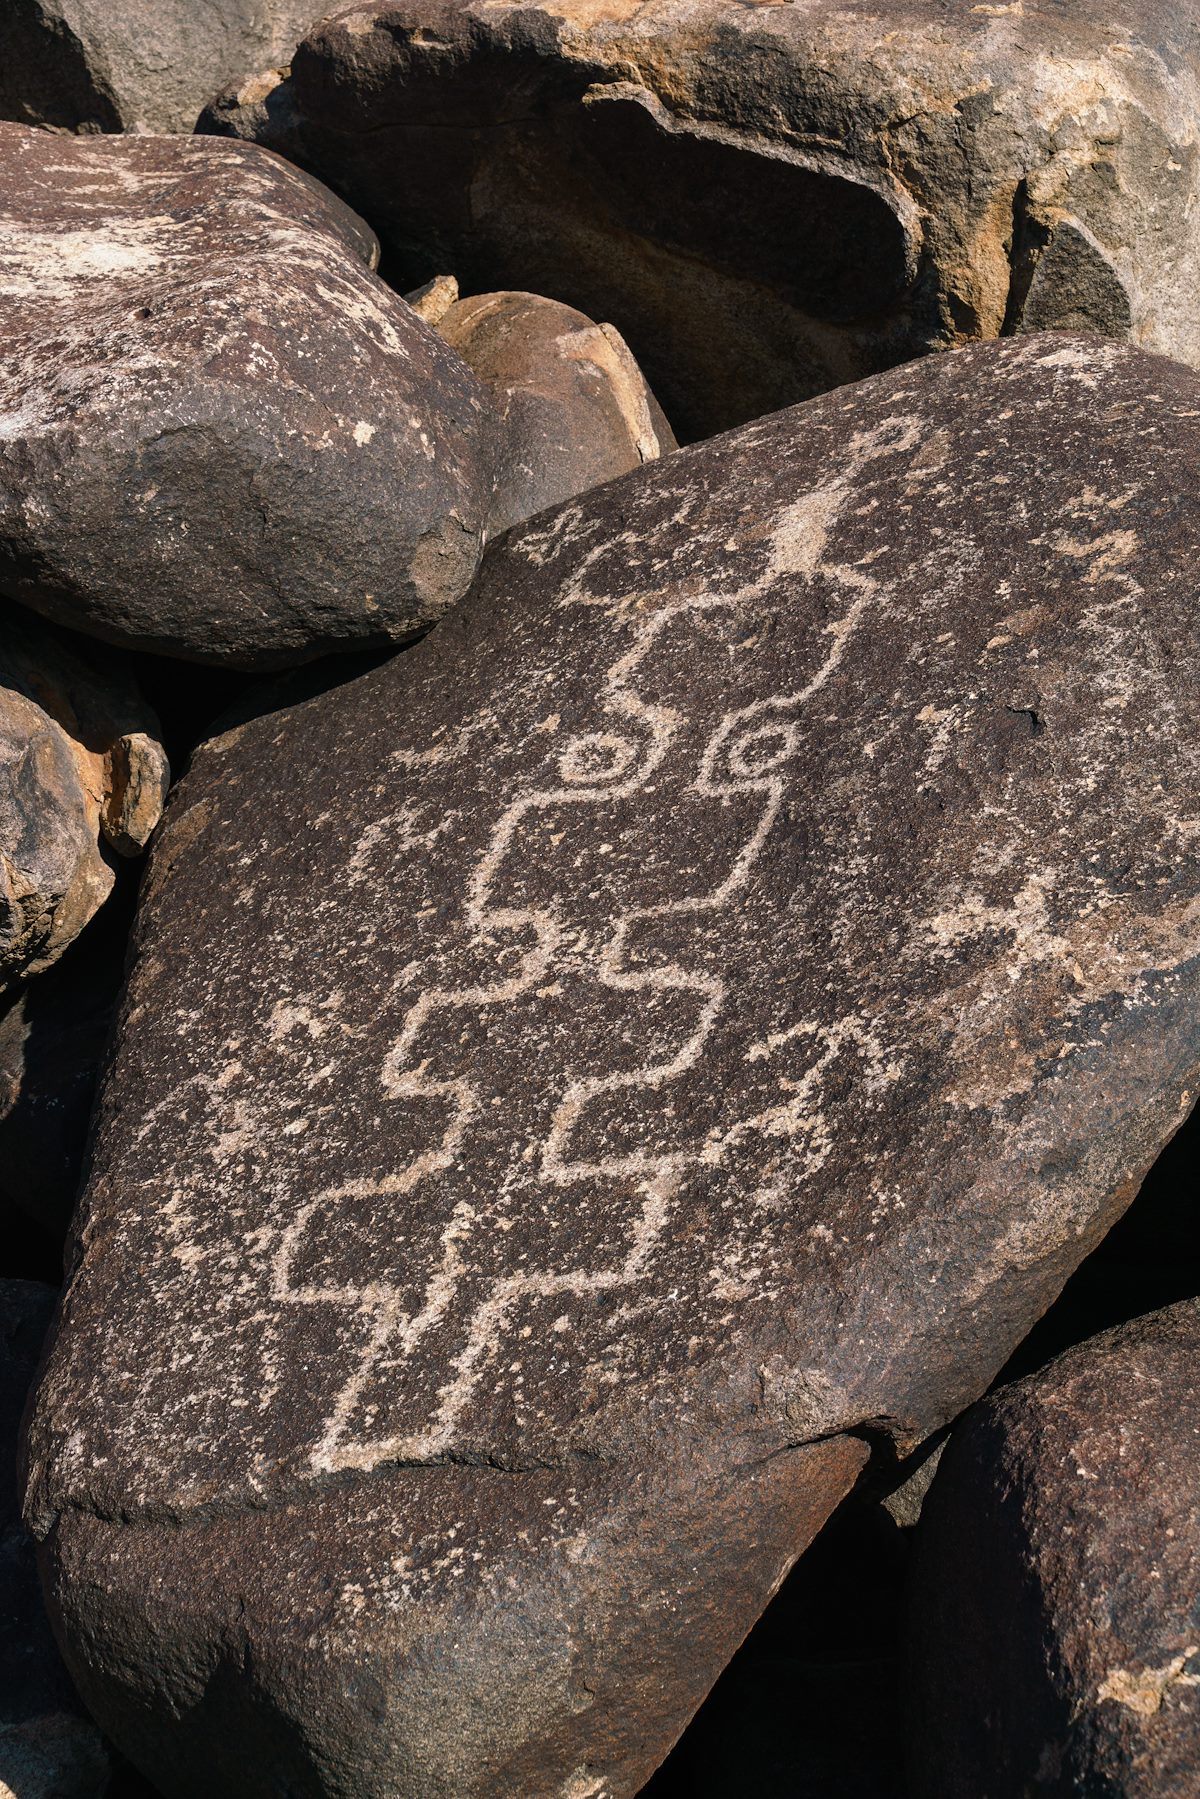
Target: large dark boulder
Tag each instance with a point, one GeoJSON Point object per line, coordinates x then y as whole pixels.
{"type": "Point", "coordinates": [1056, 1635]}
{"type": "Point", "coordinates": [130, 65]}
{"type": "Point", "coordinates": [769, 200]}
{"type": "Point", "coordinates": [580, 1083]}
{"type": "Point", "coordinates": [225, 439]}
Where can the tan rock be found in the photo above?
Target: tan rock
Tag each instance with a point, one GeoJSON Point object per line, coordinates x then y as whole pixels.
{"type": "Point", "coordinates": [573, 407]}
{"type": "Point", "coordinates": [83, 777]}
{"type": "Point", "coordinates": [433, 300]}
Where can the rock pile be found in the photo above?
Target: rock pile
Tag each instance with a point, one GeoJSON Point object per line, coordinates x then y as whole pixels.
{"type": "Point", "coordinates": [620, 1044]}
{"type": "Point", "coordinates": [768, 199]}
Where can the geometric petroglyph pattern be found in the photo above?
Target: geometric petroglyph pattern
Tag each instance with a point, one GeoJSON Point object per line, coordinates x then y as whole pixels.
{"type": "Point", "coordinates": [747, 755]}
{"type": "Point", "coordinates": [711, 989]}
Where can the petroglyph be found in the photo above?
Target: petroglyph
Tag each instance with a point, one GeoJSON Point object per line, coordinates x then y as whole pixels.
{"type": "Point", "coordinates": [748, 754]}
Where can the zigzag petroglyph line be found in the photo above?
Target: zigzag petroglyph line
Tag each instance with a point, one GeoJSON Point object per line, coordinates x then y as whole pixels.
{"type": "Point", "coordinates": [756, 742]}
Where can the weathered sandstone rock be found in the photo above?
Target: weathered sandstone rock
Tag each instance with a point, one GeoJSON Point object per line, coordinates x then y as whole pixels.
{"type": "Point", "coordinates": [722, 982]}
{"type": "Point", "coordinates": [224, 439]}
{"type": "Point", "coordinates": [83, 777]}
{"type": "Point", "coordinates": [1056, 1640]}
{"type": "Point", "coordinates": [125, 65]}
{"type": "Point", "coordinates": [434, 298]}
{"type": "Point", "coordinates": [48, 1748]}
{"type": "Point", "coordinates": [574, 408]}
{"type": "Point", "coordinates": [769, 200]}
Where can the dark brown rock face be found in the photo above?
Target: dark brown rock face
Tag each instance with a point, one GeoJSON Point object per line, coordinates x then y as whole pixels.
{"type": "Point", "coordinates": [1057, 1627]}
{"type": "Point", "coordinates": [48, 1748]}
{"type": "Point", "coordinates": [121, 65]}
{"type": "Point", "coordinates": [727, 976]}
{"type": "Point", "coordinates": [573, 407]}
{"type": "Point", "coordinates": [83, 778]}
{"type": "Point", "coordinates": [225, 438]}
{"type": "Point", "coordinates": [769, 200]}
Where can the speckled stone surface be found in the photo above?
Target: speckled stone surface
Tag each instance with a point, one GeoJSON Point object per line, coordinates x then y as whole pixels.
{"type": "Point", "coordinates": [224, 438]}
{"type": "Point", "coordinates": [83, 777]}
{"type": "Point", "coordinates": [125, 65]}
{"type": "Point", "coordinates": [769, 199]}
{"type": "Point", "coordinates": [573, 408]}
{"type": "Point", "coordinates": [1056, 1640]}
{"type": "Point", "coordinates": [690, 1012]}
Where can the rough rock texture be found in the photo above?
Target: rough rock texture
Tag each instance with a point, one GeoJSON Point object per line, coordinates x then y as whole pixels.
{"type": "Point", "coordinates": [48, 1748]}
{"type": "Point", "coordinates": [574, 407]}
{"type": "Point", "coordinates": [225, 438]}
{"type": "Point", "coordinates": [769, 200]}
{"type": "Point", "coordinates": [83, 777]}
{"type": "Point", "coordinates": [1056, 1638]}
{"type": "Point", "coordinates": [125, 65]}
{"type": "Point", "coordinates": [434, 298]}
{"type": "Point", "coordinates": [728, 976]}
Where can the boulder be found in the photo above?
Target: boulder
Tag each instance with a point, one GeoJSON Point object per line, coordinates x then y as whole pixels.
{"type": "Point", "coordinates": [49, 1749]}
{"type": "Point", "coordinates": [83, 777]}
{"type": "Point", "coordinates": [225, 438]}
{"type": "Point", "coordinates": [579, 1084]}
{"type": "Point", "coordinates": [574, 408]}
{"type": "Point", "coordinates": [1056, 1638]}
{"type": "Point", "coordinates": [769, 200]}
{"type": "Point", "coordinates": [120, 65]}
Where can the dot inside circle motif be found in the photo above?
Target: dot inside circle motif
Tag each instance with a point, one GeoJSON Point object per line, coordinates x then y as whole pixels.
{"type": "Point", "coordinates": [762, 750]}
{"type": "Point", "coordinates": [598, 757]}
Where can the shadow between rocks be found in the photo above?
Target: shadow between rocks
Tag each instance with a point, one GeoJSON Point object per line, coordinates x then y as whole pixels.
{"type": "Point", "coordinates": [809, 1707]}
{"type": "Point", "coordinates": [1150, 1259]}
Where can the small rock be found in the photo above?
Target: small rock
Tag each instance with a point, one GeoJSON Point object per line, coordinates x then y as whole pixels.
{"type": "Point", "coordinates": [48, 1748]}
{"type": "Point", "coordinates": [123, 65]}
{"type": "Point", "coordinates": [1056, 1633]}
{"type": "Point", "coordinates": [574, 407]}
{"type": "Point", "coordinates": [225, 439]}
{"type": "Point", "coordinates": [770, 200]}
{"type": "Point", "coordinates": [579, 1080]}
{"type": "Point", "coordinates": [83, 777]}
{"type": "Point", "coordinates": [434, 299]}
{"type": "Point", "coordinates": [905, 1493]}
